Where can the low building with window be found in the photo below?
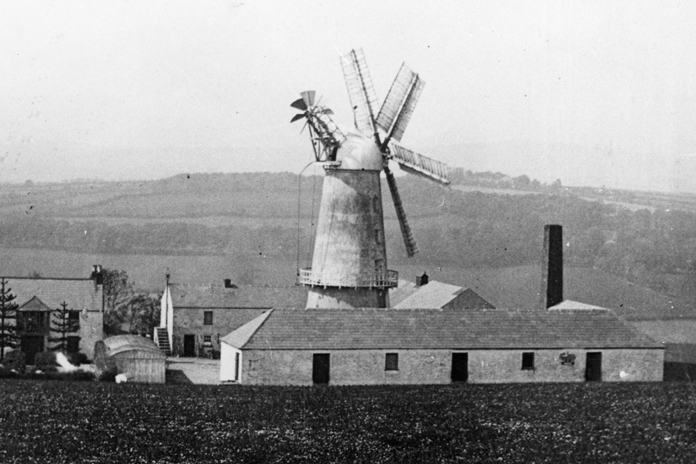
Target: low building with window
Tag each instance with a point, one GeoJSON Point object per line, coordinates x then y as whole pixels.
{"type": "Point", "coordinates": [393, 346]}
{"type": "Point", "coordinates": [38, 299]}
{"type": "Point", "coordinates": [194, 317]}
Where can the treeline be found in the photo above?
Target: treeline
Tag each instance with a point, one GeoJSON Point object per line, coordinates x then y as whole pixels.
{"type": "Point", "coordinates": [476, 229]}
{"type": "Point", "coordinates": [158, 238]}
{"type": "Point", "coordinates": [499, 180]}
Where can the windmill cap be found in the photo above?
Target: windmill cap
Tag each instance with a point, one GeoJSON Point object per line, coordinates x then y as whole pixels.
{"type": "Point", "coordinates": [360, 153]}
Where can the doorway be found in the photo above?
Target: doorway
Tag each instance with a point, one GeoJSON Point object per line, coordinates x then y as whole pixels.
{"type": "Point", "coordinates": [321, 366]}
{"type": "Point", "coordinates": [189, 345]}
{"type": "Point", "coordinates": [593, 367]}
{"type": "Point", "coordinates": [31, 345]}
{"type": "Point", "coordinates": [460, 367]}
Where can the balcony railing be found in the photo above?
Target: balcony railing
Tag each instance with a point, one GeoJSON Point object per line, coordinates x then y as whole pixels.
{"type": "Point", "coordinates": [314, 279]}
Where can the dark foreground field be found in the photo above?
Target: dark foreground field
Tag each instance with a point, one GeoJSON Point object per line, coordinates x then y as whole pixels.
{"type": "Point", "coordinates": [59, 422]}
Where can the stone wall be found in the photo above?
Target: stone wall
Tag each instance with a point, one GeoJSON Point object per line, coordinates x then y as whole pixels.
{"type": "Point", "coordinates": [358, 367]}
{"type": "Point", "coordinates": [191, 321]}
{"type": "Point", "coordinates": [91, 331]}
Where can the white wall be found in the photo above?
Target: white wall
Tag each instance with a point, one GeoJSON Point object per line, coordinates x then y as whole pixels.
{"type": "Point", "coordinates": [227, 362]}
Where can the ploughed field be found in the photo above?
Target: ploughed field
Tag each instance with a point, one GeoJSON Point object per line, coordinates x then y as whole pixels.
{"type": "Point", "coordinates": [56, 422]}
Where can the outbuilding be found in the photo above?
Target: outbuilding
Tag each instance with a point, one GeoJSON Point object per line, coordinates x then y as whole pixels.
{"type": "Point", "coordinates": [193, 318]}
{"type": "Point", "coordinates": [407, 346]}
{"type": "Point", "coordinates": [137, 357]}
{"type": "Point", "coordinates": [431, 294]}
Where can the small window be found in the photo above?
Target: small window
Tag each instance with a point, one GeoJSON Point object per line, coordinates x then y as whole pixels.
{"type": "Point", "coordinates": [527, 361]}
{"type": "Point", "coordinates": [207, 340]}
{"type": "Point", "coordinates": [208, 318]}
{"type": "Point", "coordinates": [74, 321]}
{"type": "Point", "coordinates": [391, 362]}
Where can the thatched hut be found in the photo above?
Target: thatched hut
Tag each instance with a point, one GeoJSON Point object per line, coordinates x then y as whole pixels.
{"type": "Point", "coordinates": [137, 357]}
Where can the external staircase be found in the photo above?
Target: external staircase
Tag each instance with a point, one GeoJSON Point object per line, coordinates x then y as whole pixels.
{"type": "Point", "coordinates": [163, 340]}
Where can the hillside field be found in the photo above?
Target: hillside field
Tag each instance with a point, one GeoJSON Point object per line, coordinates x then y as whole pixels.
{"type": "Point", "coordinates": [87, 422]}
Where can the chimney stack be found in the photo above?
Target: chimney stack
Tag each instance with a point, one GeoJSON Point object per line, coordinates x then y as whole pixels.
{"type": "Point", "coordinates": [422, 280]}
{"type": "Point", "coordinates": [552, 266]}
{"type": "Point", "coordinates": [97, 274]}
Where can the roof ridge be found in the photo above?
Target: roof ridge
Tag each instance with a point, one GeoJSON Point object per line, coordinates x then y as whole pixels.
{"type": "Point", "coordinates": [210, 285]}
{"type": "Point", "coordinates": [246, 338]}
{"type": "Point", "coordinates": [79, 279]}
{"type": "Point", "coordinates": [265, 317]}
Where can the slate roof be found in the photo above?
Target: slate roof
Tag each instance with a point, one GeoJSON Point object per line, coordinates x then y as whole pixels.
{"type": "Point", "coordinates": [570, 304]}
{"type": "Point", "coordinates": [338, 329]}
{"type": "Point", "coordinates": [245, 296]}
{"type": "Point", "coordinates": [35, 304]}
{"type": "Point", "coordinates": [434, 295]}
{"type": "Point", "coordinates": [241, 336]}
{"type": "Point", "coordinates": [78, 293]}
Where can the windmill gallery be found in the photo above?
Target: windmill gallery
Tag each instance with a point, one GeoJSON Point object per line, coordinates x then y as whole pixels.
{"type": "Point", "coordinates": [360, 323]}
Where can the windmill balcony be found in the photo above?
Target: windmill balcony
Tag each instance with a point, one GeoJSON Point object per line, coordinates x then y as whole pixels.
{"type": "Point", "coordinates": [315, 279]}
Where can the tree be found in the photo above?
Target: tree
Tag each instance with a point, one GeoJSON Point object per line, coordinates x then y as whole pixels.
{"type": "Point", "coordinates": [118, 293]}
{"type": "Point", "coordinates": [62, 324]}
{"type": "Point", "coordinates": [123, 306]}
{"type": "Point", "coordinates": [8, 319]}
{"type": "Point", "coordinates": [144, 314]}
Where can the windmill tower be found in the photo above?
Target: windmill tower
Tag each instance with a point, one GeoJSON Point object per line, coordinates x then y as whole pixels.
{"type": "Point", "coordinates": [349, 264]}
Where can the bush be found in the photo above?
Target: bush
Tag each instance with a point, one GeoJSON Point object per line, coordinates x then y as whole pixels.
{"type": "Point", "coordinates": [15, 360]}
{"type": "Point", "coordinates": [45, 369]}
{"type": "Point", "coordinates": [54, 375]}
{"type": "Point", "coordinates": [7, 374]}
{"type": "Point", "coordinates": [105, 365]}
{"type": "Point", "coordinates": [45, 359]}
{"type": "Point", "coordinates": [77, 358]}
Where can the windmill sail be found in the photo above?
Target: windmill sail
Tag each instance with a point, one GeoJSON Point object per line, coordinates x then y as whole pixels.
{"type": "Point", "coordinates": [402, 96]}
{"type": "Point", "coordinates": [360, 90]}
{"type": "Point", "coordinates": [409, 241]}
{"type": "Point", "coordinates": [418, 164]}
{"type": "Point", "coordinates": [401, 100]}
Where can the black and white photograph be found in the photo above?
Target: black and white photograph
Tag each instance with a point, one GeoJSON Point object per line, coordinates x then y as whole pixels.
{"type": "Point", "coordinates": [247, 231]}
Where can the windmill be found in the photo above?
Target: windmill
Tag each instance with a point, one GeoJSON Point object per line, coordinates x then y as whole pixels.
{"type": "Point", "coordinates": [349, 263]}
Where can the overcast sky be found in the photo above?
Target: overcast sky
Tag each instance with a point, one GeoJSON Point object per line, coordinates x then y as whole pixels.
{"type": "Point", "coordinates": [593, 93]}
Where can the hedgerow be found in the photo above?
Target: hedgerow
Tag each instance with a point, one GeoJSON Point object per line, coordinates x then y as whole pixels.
{"type": "Point", "coordinates": [83, 422]}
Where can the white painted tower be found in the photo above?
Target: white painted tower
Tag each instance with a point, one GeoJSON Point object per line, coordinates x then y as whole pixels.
{"type": "Point", "coordinates": [349, 264]}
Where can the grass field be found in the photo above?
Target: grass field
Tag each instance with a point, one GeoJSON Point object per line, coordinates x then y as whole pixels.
{"type": "Point", "coordinates": [76, 422]}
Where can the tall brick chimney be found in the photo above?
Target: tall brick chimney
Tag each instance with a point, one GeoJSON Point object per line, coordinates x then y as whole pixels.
{"type": "Point", "coordinates": [552, 266]}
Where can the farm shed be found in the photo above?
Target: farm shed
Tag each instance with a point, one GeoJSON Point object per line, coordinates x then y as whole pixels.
{"type": "Point", "coordinates": [137, 357]}
{"type": "Point", "coordinates": [436, 295]}
{"type": "Point", "coordinates": [412, 346]}
{"type": "Point", "coordinates": [194, 317]}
